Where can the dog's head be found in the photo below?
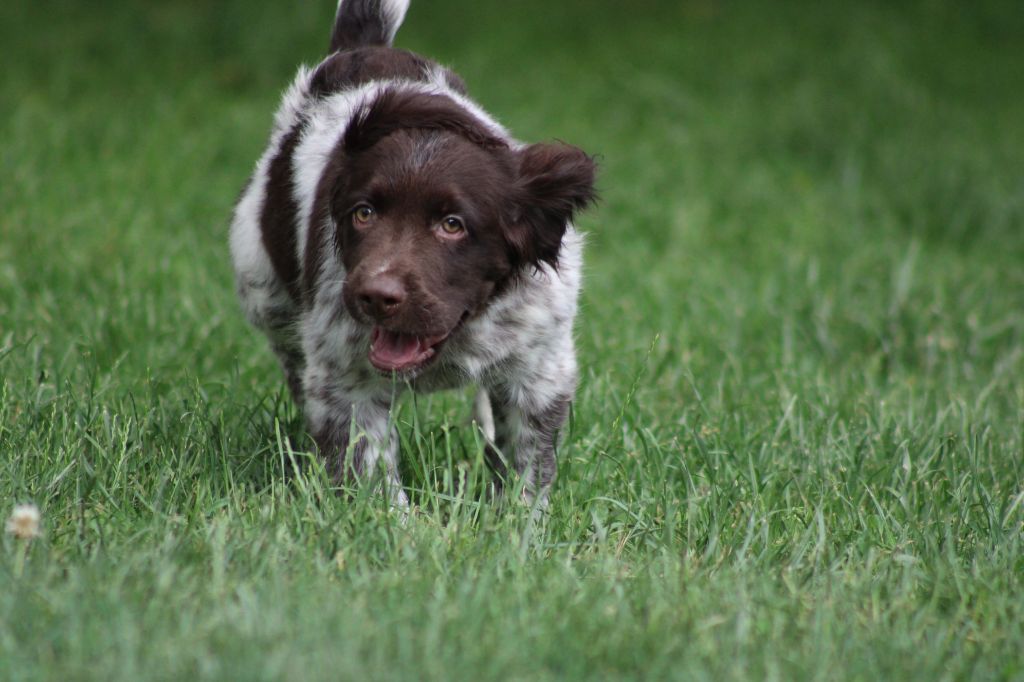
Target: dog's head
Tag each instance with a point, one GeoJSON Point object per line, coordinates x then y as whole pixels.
{"type": "Point", "coordinates": [434, 214]}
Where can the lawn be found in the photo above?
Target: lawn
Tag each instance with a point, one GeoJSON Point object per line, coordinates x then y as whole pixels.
{"type": "Point", "coordinates": [797, 451]}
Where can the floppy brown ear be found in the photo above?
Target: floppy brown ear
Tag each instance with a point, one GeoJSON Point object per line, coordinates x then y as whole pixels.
{"type": "Point", "coordinates": [554, 182]}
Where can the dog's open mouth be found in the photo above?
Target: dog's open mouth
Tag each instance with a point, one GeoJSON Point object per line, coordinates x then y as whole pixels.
{"type": "Point", "coordinates": [392, 351]}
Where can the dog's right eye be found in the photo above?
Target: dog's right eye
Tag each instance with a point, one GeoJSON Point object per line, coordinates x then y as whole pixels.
{"type": "Point", "coordinates": [362, 215]}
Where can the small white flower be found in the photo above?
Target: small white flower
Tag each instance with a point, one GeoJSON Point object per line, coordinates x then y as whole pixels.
{"type": "Point", "coordinates": [23, 523]}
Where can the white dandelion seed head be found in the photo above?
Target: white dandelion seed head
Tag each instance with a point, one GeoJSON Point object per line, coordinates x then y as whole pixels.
{"type": "Point", "coordinates": [23, 523]}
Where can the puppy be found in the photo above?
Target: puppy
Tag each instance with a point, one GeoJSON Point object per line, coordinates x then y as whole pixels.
{"type": "Point", "coordinates": [393, 235]}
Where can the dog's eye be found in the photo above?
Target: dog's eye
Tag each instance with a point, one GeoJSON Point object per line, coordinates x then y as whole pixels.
{"type": "Point", "coordinates": [363, 214]}
{"type": "Point", "coordinates": [453, 225]}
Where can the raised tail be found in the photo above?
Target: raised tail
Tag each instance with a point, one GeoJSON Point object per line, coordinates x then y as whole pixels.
{"type": "Point", "coordinates": [361, 23]}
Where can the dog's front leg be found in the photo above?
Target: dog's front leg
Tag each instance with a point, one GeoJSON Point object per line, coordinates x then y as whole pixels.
{"type": "Point", "coordinates": [353, 434]}
{"type": "Point", "coordinates": [526, 424]}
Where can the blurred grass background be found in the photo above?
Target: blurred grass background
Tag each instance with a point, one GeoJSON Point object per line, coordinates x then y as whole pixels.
{"type": "Point", "coordinates": [798, 446]}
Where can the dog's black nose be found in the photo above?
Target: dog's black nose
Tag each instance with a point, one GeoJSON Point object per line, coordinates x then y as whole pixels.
{"type": "Point", "coordinates": [381, 296]}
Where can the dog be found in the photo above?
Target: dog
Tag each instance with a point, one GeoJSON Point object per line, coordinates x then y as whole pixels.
{"type": "Point", "coordinates": [394, 235]}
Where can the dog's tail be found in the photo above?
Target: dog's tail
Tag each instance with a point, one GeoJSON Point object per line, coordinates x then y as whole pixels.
{"type": "Point", "coordinates": [360, 23]}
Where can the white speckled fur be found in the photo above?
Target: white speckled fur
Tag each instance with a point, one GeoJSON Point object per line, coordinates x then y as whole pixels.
{"type": "Point", "coordinates": [264, 292]}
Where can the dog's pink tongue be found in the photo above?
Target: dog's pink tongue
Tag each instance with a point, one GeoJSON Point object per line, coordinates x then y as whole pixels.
{"type": "Point", "coordinates": [392, 351]}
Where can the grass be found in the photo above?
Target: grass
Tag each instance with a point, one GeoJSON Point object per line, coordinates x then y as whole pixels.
{"type": "Point", "coordinates": [798, 447]}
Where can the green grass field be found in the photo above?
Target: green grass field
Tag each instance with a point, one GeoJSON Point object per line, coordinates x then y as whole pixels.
{"type": "Point", "coordinates": [797, 451]}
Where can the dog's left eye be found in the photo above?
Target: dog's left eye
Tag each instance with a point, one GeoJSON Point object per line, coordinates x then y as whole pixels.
{"type": "Point", "coordinates": [453, 225]}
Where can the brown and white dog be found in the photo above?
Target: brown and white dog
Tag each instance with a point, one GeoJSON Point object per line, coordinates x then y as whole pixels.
{"type": "Point", "coordinates": [394, 235]}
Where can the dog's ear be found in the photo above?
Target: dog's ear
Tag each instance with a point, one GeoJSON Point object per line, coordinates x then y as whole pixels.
{"type": "Point", "coordinates": [554, 181]}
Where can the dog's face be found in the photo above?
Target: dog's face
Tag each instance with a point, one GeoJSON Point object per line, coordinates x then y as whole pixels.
{"type": "Point", "coordinates": [433, 215]}
{"type": "Point", "coordinates": [419, 228]}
